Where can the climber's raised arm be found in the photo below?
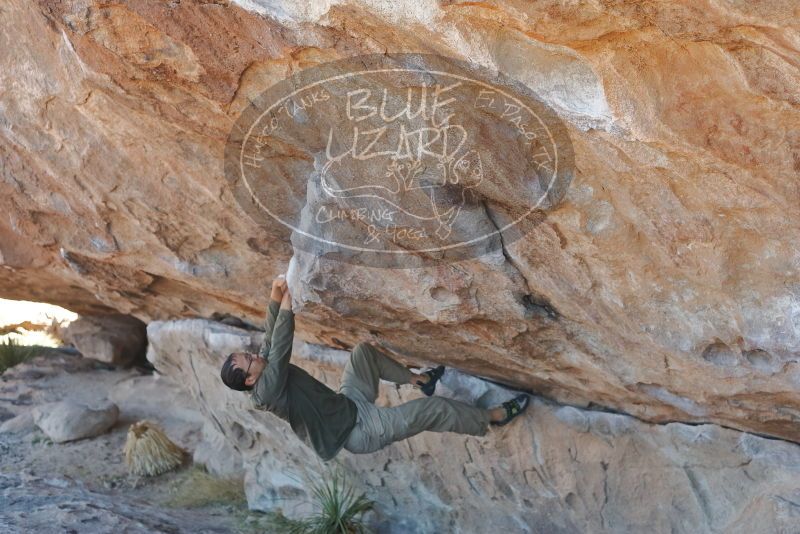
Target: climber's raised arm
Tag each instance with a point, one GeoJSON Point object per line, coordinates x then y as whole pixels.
{"type": "Point", "coordinates": [276, 296]}
{"type": "Point", "coordinates": [271, 383]}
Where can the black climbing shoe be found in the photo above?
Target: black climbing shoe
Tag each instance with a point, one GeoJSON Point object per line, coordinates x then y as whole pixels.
{"type": "Point", "coordinates": [514, 407]}
{"type": "Point", "coordinates": [434, 374]}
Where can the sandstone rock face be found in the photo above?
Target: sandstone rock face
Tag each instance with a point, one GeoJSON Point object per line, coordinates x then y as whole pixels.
{"type": "Point", "coordinates": [69, 420]}
{"type": "Point", "coordinates": [114, 338]}
{"type": "Point", "coordinates": [665, 285]}
{"type": "Point", "coordinates": [217, 453]}
{"type": "Point", "coordinates": [557, 469]}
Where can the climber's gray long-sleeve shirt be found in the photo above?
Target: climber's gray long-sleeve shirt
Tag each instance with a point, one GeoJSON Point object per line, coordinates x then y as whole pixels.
{"type": "Point", "coordinates": [320, 417]}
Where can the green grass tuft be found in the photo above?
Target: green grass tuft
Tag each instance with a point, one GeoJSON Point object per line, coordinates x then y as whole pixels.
{"type": "Point", "coordinates": [340, 510]}
{"type": "Point", "coordinates": [12, 353]}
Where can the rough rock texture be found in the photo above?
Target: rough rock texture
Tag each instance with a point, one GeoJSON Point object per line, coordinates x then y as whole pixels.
{"type": "Point", "coordinates": [215, 452]}
{"type": "Point", "coordinates": [114, 338]}
{"type": "Point", "coordinates": [557, 469]}
{"type": "Point", "coordinates": [19, 423]}
{"type": "Point", "coordinates": [56, 505]}
{"type": "Point", "coordinates": [68, 420]}
{"type": "Point", "coordinates": [666, 284]}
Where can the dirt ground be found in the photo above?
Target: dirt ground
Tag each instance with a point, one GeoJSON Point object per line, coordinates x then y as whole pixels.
{"type": "Point", "coordinates": [84, 486]}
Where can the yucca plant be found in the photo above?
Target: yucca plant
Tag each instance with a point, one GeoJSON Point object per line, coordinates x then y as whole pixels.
{"type": "Point", "coordinates": [340, 510]}
{"type": "Point", "coordinates": [149, 452]}
{"type": "Point", "coordinates": [12, 353]}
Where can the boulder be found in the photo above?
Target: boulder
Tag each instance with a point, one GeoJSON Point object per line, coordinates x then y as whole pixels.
{"type": "Point", "coordinates": [22, 423]}
{"type": "Point", "coordinates": [68, 421]}
{"type": "Point", "coordinates": [115, 338]}
{"type": "Point", "coordinates": [665, 285]}
{"type": "Point", "coordinates": [556, 469]}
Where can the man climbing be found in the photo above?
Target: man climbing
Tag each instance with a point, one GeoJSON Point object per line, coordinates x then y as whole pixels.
{"type": "Point", "coordinates": [329, 421]}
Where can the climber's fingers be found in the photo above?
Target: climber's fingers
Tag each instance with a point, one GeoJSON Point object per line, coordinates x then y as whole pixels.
{"type": "Point", "coordinates": [283, 284]}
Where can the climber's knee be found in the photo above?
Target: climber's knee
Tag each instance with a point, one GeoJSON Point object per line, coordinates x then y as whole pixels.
{"type": "Point", "coordinates": [436, 407]}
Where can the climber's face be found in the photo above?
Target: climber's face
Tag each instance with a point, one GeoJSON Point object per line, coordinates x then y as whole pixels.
{"type": "Point", "coordinates": [252, 364]}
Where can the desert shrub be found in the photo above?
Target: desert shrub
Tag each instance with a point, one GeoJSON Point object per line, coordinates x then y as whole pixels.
{"type": "Point", "coordinates": [12, 353]}
{"type": "Point", "coordinates": [340, 510]}
{"type": "Point", "coordinates": [149, 452]}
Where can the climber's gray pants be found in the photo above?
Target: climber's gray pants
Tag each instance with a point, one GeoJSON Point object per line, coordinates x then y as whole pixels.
{"type": "Point", "coordinates": [377, 427]}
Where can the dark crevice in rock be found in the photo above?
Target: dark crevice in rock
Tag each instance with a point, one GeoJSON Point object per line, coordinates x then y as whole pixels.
{"type": "Point", "coordinates": [341, 344]}
{"type": "Point", "coordinates": [532, 301]}
{"type": "Point", "coordinates": [604, 465]}
{"type": "Point", "coordinates": [232, 320]}
{"type": "Point", "coordinates": [538, 305]}
{"type": "Point", "coordinates": [594, 407]}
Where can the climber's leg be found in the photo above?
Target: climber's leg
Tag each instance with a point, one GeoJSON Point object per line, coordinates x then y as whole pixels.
{"type": "Point", "coordinates": [434, 414]}
{"type": "Point", "coordinates": [377, 427]}
{"type": "Point", "coordinates": [367, 365]}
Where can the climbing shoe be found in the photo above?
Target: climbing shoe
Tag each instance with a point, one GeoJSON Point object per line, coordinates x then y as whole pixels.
{"type": "Point", "coordinates": [434, 374]}
{"type": "Point", "coordinates": [514, 407]}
